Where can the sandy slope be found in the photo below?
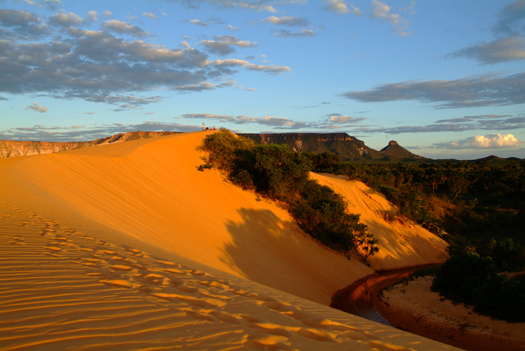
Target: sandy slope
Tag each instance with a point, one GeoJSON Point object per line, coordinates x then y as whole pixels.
{"type": "Point", "coordinates": [127, 244]}
{"type": "Point", "coordinates": [402, 244]}
{"type": "Point", "coordinates": [151, 189]}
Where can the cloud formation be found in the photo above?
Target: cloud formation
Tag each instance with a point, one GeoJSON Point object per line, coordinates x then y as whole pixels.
{"type": "Point", "coordinates": [81, 133]}
{"type": "Point", "coordinates": [382, 12]}
{"type": "Point", "coordinates": [287, 21]}
{"type": "Point", "coordinates": [150, 15]}
{"type": "Point", "coordinates": [65, 20]}
{"type": "Point", "coordinates": [501, 50]}
{"type": "Point", "coordinates": [225, 44]}
{"type": "Point", "coordinates": [34, 106]}
{"type": "Point", "coordinates": [198, 22]}
{"type": "Point", "coordinates": [24, 25]}
{"type": "Point", "coordinates": [124, 28]}
{"type": "Point", "coordinates": [341, 7]}
{"type": "Point", "coordinates": [511, 19]}
{"type": "Point", "coordinates": [490, 141]}
{"type": "Point", "coordinates": [48, 4]}
{"type": "Point", "coordinates": [99, 66]}
{"type": "Point", "coordinates": [302, 34]}
{"type": "Point", "coordinates": [486, 90]}
{"type": "Point", "coordinates": [333, 121]}
{"type": "Point", "coordinates": [339, 119]}
{"type": "Point", "coordinates": [258, 6]}
{"type": "Point", "coordinates": [251, 66]}
{"type": "Point", "coordinates": [466, 123]}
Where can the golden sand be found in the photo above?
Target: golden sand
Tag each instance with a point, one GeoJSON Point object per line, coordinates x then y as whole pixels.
{"type": "Point", "coordinates": [128, 246]}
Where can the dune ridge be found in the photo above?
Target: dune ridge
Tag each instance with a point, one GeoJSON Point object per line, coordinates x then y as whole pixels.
{"type": "Point", "coordinates": [402, 243]}
{"type": "Point", "coordinates": [128, 244]}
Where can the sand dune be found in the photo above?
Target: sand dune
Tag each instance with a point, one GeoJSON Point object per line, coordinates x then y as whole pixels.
{"type": "Point", "coordinates": [129, 246]}
{"type": "Point", "coordinates": [402, 243]}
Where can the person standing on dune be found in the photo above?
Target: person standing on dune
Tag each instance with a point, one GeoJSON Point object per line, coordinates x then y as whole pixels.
{"type": "Point", "coordinates": [203, 127]}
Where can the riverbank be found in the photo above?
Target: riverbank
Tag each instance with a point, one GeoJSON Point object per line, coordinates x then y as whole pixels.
{"type": "Point", "coordinates": [413, 307]}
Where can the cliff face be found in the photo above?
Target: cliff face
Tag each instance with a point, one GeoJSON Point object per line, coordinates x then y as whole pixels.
{"type": "Point", "coordinates": [9, 148]}
{"type": "Point", "coordinates": [342, 144]}
{"type": "Point", "coordinates": [12, 148]}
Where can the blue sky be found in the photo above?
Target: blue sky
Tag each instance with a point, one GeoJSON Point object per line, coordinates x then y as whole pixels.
{"type": "Point", "coordinates": [446, 79]}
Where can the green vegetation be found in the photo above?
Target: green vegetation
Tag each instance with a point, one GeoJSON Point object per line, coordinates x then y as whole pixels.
{"type": "Point", "coordinates": [472, 279]}
{"type": "Point", "coordinates": [277, 173]}
{"type": "Point", "coordinates": [476, 206]}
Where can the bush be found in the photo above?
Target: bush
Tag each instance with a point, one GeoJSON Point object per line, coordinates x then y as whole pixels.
{"type": "Point", "coordinates": [322, 214]}
{"type": "Point", "coordinates": [278, 173]}
{"type": "Point", "coordinates": [221, 148]}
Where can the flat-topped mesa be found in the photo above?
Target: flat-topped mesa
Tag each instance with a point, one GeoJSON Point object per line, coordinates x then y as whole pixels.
{"type": "Point", "coordinates": [279, 138]}
{"type": "Point", "coordinates": [342, 144]}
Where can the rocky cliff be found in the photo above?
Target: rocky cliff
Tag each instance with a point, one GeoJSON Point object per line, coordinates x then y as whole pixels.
{"type": "Point", "coordinates": [12, 148]}
{"type": "Point", "coordinates": [347, 147]}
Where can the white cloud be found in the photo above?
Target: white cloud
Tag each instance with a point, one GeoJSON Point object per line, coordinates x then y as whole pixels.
{"type": "Point", "coordinates": [341, 7]}
{"type": "Point", "coordinates": [250, 66]}
{"type": "Point", "coordinates": [287, 21]}
{"type": "Point", "coordinates": [382, 12]}
{"type": "Point", "coordinates": [338, 119]}
{"type": "Point", "coordinates": [490, 141]}
{"type": "Point", "coordinates": [150, 15]}
{"type": "Point", "coordinates": [107, 14]}
{"type": "Point", "coordinates": [248, 89]}
{"type": "Point", "coordinates": [34, 106]}
{"type": "Point", "coordinates": [124, 28]}
{"type": "Point", "coordinates": [92, 16]}
{"type": "Point", "coordinates": [230, 27]}
{"type": "Point", "coordinates": [198, 22]}
{"type": "Point", "coordinates": [223, 44]}
{"type": "Point", "coordinates": [66, 20]}
{"type": "Point", "coordinates": [49, 4]}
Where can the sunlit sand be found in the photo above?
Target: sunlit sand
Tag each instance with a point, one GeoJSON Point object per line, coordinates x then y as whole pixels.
{"type": "Point", "coordinates": [128, 246]}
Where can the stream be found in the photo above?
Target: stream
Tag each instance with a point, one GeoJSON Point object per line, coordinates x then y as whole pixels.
{"type": "Point", "coordinates": [358, 298]}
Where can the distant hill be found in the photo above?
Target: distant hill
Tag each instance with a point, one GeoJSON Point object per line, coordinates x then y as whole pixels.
{"type": "Point", "coordinates": [395, 151]}
{"type": "Point", "coordinates": [347, 147]}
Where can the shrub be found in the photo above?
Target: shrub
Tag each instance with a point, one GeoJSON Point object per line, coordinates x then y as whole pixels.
{"type": "Point", "coordinates": [278, 173]}
{"type": "Point", "coordinates": [221, 148]}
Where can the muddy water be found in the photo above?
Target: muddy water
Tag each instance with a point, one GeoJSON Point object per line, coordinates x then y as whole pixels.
{"type": "Point", "coordinates": [358, 298]}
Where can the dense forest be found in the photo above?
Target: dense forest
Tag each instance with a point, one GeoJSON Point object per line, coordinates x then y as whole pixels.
{"type": "Point", "coordinates": [477, 207]}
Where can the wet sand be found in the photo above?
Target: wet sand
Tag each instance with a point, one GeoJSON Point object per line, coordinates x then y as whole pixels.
{"type": "Point", "coordinates": [415, 308]}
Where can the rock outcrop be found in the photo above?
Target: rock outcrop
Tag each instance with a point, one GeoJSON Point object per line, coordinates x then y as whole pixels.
{"type": "Point", "coordinates": [13, 148]}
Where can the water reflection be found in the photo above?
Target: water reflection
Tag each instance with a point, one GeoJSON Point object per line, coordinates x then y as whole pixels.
{"type": "Point", "coordinates": [359, 298]}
